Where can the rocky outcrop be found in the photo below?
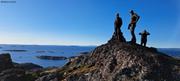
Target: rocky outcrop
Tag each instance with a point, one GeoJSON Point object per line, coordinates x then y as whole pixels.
{"type": "Point", "coordinates": [27, 66]}
{"type": "Point", "coordinates": [118, 61]}
{"type": "Point", "coordinates": [123, 62]}
{"type": "Point", "coordinates": [5, 62]}
{"type": "Point", "coordinates": [7, 70]}
{"type": "Point", "coordinates": [10, 71]}
{"type": "Point", "coordinates": [12, 75]}
{"type": "Point", "coordinates": [115, 38]}
{"type": "Point", "coordinates": [113, 61]}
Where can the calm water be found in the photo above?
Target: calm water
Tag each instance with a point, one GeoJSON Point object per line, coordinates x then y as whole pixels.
{"type": "Point", "coordinates": [175, 52]}
{"type": "Point", "coordinates": [35, 50]}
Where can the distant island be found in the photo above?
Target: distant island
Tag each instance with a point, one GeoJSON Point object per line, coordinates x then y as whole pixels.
{"type": "Point", "coordinates": [45, 57]}
{"type": "Point", "coordinates": [16, 50]}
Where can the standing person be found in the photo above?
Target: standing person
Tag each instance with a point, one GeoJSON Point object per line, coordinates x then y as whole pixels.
{"type": "Point", "coordinates": [117, 26]}
{"type": "Point", "coordinates": [144, 35]}
{"type": "Point", "coordinates": [132, 25]}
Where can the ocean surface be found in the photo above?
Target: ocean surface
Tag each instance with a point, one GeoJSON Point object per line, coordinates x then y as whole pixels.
{"type": "Point", "coordinates": [28, 53]}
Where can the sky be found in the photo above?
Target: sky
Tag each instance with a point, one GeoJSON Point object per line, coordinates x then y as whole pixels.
{"type": "Point", "coordinates": [87, 22]}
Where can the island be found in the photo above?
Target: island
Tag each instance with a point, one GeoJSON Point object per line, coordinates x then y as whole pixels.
{"type": "Point", "coordinates": [46, 57]}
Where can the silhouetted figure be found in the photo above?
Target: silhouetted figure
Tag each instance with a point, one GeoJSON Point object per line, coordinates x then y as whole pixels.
{"type": "Point", "coordinates": [117, 35]}
{"type": "Point", "coordinates": [132, 25]}
{"type": "Point", "coordinates": [144, 35]}
{"type": "Point", "coordinates": [117, 26]}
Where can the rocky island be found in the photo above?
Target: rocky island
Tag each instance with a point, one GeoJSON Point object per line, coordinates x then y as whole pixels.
{"type": "Point", "coordinates": [16, 50]}
{"type": "Point", "coordinates": [45, 57]}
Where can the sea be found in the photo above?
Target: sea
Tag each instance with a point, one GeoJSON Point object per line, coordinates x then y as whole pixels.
{"type": "Point", "coordinates": [29, 53]}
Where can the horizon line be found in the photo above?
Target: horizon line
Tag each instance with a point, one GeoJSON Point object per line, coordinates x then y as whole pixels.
{"type": "Point", "coordinates": [71, 45]}
{"type": "Point", "coordinates": [50, 44]}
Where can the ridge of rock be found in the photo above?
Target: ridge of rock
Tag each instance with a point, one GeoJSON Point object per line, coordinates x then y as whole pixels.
{"type": "Point", "coordinates": [120, 61]}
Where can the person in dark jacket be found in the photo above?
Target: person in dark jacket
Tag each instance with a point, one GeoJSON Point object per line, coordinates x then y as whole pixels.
{"type": "Point", "coordinates": [132, 25]}
{"type": "Point", "coordinates": [144, 35]}
{"type": "Point", "coordinates": [117, 26]}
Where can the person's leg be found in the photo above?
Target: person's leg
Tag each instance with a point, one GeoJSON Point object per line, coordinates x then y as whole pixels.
{"type": "Point", "coordinates": [145, 43]}
{"type": "Point", "coordinates": [133, 40]}
{"type": "Point", "coordinates": [133, 37]}
{"type": "Point", "coordinates": [134, 33]}
{"type": "Point", "coordinates": [131, 30]}
{"type": "Point", "coordinates": [141, 42]}
{"type": "Point", "coordinates": [118, 33]}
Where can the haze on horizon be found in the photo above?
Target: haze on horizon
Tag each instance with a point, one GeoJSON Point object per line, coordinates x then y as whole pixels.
{"type": "Point", "coordinates": [87, 22]}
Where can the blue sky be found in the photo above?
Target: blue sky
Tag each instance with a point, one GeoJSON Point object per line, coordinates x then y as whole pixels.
{"type": "Point", "coordinates": [87, 22]}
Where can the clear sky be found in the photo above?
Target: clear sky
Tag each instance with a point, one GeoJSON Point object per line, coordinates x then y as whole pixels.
{"type": "Point", "coordinates": [87, 22]}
